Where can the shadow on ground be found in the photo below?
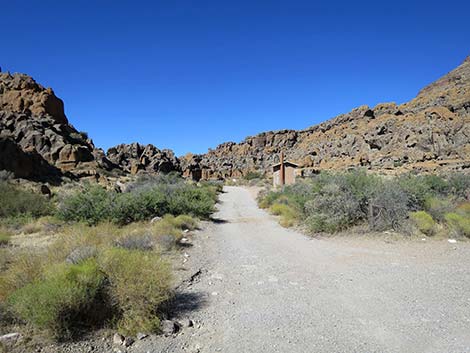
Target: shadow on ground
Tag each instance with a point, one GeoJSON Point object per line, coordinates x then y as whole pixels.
{"type": "Point", "coordinates": [184, 303]}
{"type": "Point", "coordinates": [218, 220]}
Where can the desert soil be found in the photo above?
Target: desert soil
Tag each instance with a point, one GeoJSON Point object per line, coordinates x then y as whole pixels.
{"type": "Point", "coordinates": [264, 288]}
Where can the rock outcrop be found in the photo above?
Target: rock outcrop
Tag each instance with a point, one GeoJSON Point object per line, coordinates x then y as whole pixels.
{"type": "Point", "coordinates": [429, 133]}
{"type": "Point", "coordinates": [134, 157]}
{"type": "Point", "coordinates": [36, 139]}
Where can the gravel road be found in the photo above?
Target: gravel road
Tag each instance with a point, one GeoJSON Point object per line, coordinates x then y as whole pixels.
{"type": "Point", "coordinates": [264, 288]}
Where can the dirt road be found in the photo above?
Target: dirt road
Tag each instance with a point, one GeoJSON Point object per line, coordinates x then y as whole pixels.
{"type": "Point", "coordinates": [268, 289]}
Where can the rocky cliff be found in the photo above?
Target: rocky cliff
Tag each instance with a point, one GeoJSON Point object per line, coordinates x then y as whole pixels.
{"type": "Point", "coordinates": [36, 140]}
{"type": "Point", "coordinates": [429, 133]}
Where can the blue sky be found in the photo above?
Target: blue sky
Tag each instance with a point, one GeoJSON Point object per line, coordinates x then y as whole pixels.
{"type": "Point", "coordinates": [188, 75]}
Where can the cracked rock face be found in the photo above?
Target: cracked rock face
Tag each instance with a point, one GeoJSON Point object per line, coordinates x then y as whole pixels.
{"type": "Point", "coordinates": [429, 133]}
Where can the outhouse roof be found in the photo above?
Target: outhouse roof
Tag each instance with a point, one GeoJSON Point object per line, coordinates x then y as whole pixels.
{"type": "Point", "coordinates": [286, 163]}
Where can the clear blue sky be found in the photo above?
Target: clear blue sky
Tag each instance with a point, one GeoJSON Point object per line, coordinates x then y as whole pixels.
{"type": "Point", "coordinates": [188, 75]}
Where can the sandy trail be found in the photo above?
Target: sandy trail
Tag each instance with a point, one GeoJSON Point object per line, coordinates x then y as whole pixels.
{"type": "Point", "coordinates": [269, 289]}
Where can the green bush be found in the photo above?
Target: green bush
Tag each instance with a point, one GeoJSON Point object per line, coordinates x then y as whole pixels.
{"type": "Point", "coordinates": [61, 301]}
{"type": "Point", "coordinates": [424, 222]}
{"type": "Point", "coordinates": [459, 185]}
{"type": "Point", "coordinates": [438, 207]}
{"type": "Point", "coordinates": [420, 187]}
{"type": "Point", "coordinates": [265, 200]}
{"type": "Point", "coordinates": [459, 220]}
{"type": "Point", "coordinates": [191, 200]}
{"type": "Point", "coordinates": [90, 205]}
{"type": "Point", "coordinates": [145, 201]}
{"type": "Point", "coordinates": [458, 223]}
{"type": "Point", "coordinates": [20, 203]}
{"type": "Point", "coordinates": [332, 209]}
{"type": "Point", "coordinates": [140, 283]}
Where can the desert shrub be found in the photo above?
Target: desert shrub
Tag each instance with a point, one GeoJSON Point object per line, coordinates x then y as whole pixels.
{"type": "Point", "coordinates": [421, 187]}
{"type": "Point", "coordinates": [167, 242]}
{"type": "Point", "coordinates": [459, 220]}
{"type": "Point", "coordinates": [215, 185]}
{"type": "Point", "coordinates": [265, 200]}
{"type": "Point", "coordinates": [424, 222]}
{"type": "Point", "coordinates": [17, 202]}
{"type": "Point", "coordinates": [4, 237]}
{"type": "Point", "coordinates": [333, 209]}
{"type": "Point", "coordinates": [81, 254]}
{"type": "Point", "coordinates": [94, 204]}
{"type": "Point", "coordinates": [459, 185]}
{"type": "Point", "coordinates": [252, 175]}
{"type": "Point", "coordinates": [463, 209]}
{"type": "Point", "coordinates": [437, 207]}
{"type": "Point", "coordinates": [5, 255]}
{"type": "Point", "coordinates": [362, 186]}
{"type": "Point", "coordinates": [388, 207]}
{"type": "Point", "coordinates": [142, 242]}
{"type": "Point", "coordinates": [140, 283]}
{"type": "Point", "coordinates": [330, 202]}
{"type": "Point", "coordinates": [91, 205]}
{"type": "Point", "coordinates": [458, 223]}
{"type": "Point", "coordinates": [31, 227]}
{"type": "Point", "coordinates": [182, 222]}
{"type": "Point", "coordinates": [192, 201]}
{"type": "Point", "coordinates": [317, 223]}
{"type": "Point", "coordinates": [297, 195]}
{"type": "Point", "coordinates": [287, 213]}
{"type": "Point", "coordinates": [62, 300]}
{"type": "Point", "coordinates": [278, 209]}
{"type": "Point", "coordinates": [23, 269]}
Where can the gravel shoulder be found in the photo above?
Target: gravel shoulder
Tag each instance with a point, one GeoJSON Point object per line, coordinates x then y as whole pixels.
{"type": "Point", "coordinates": [263, 288]}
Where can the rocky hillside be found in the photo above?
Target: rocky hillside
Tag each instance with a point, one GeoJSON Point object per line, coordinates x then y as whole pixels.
{"type": "Point", "coordinates": [429, 133]}
{"type": "Point", "coordinates": [36, 140]}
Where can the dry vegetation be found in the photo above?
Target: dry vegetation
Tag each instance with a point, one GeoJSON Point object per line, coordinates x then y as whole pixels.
{"type": "Point", "coordinates": [104, 264]}
{"type": "Point", "coordinates": [410, 204]}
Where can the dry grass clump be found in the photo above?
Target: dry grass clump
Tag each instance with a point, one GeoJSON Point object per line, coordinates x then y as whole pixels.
{"type": "Point", "coordinates": [459, 220]}
{"type": "Point", "coordinates": [23, 268]}
{"type": "Point", "coordinates": [424, 222]}
{"type": "Point", "coordinates": [62, 300]}
{"type": "Point", "coordinates": [5, 236]}
{"type": "Point", "coordinates": [139, 283]}
{"type": "Point", "coordinates": [287, 214]}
